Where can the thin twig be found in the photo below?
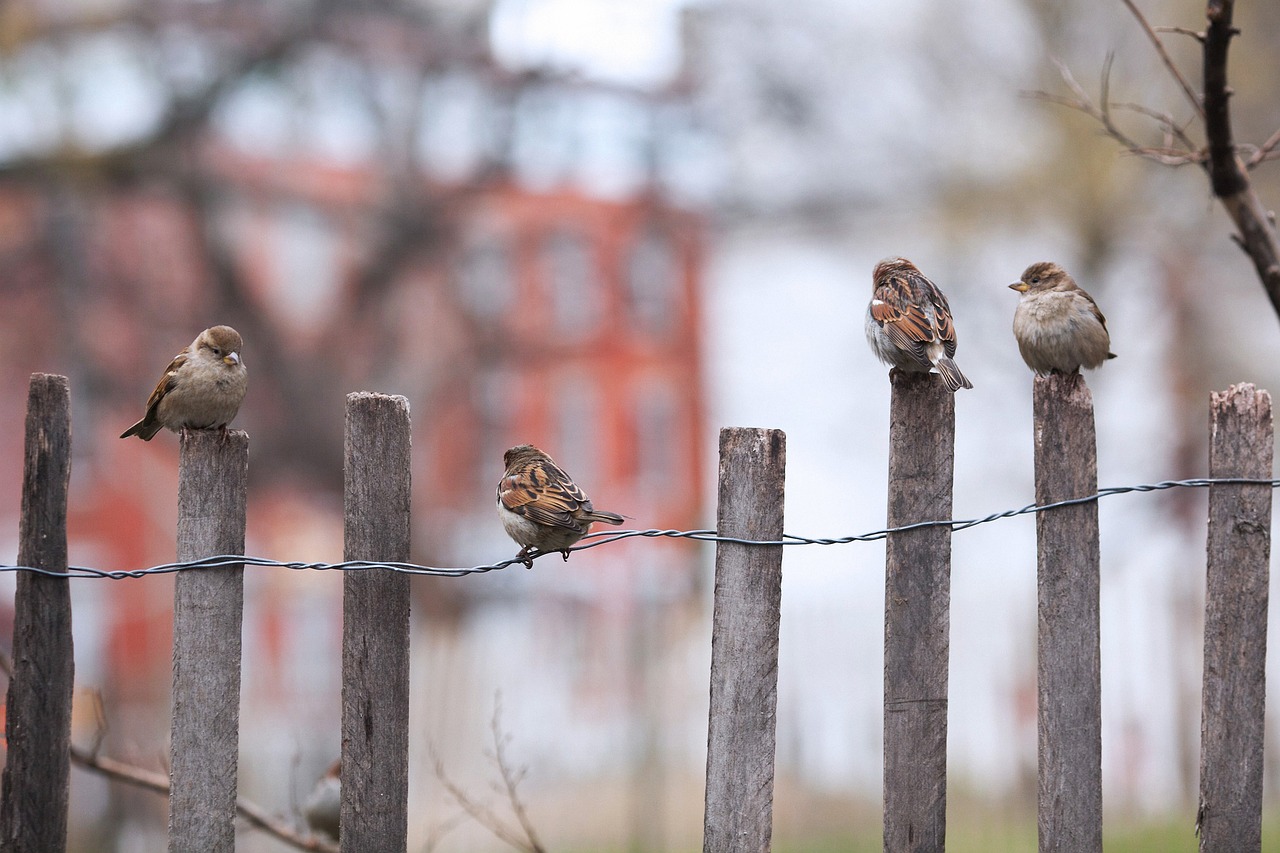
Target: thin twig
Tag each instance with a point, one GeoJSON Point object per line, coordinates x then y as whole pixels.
{"type": "Point", "coordinates": [481, 813]}
{"type": "Point", "coordinates": [511, 780]}
{"type": "Point", "coordinates": [525, 839]}
{"type": "Point", "coordinates": [438, 832]}
{"type": "Point", "coordinates": [1172, 128]}
{"type": "Point", "coordinates": [1264, 151]}
{"type": "Point", "coordinates": [1164, 156]}
{"type": "Point", "coordinates": [1182, 31]}
{"type": "Point", "coordinates": [1192, 97]}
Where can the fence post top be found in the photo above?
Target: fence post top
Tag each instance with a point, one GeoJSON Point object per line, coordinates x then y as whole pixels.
{"type": "Point", "coordinates": [397, 399]}
{"type": "Point", "coordinates": [197, 437]}
{"type": "Point", "coordinates": [1242, 394]}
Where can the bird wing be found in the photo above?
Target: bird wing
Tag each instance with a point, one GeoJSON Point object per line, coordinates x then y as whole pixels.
{"type": "Point", "coordinates": [544, 494]}
{"type": "Point", "coordinates": [1093, 306]}
{"type": "Point", "coordinates": [166, 383]}
{"type": "Point", "coordinates": [903, 319]}
{"type": "Point", "coordinates": [946, 328]}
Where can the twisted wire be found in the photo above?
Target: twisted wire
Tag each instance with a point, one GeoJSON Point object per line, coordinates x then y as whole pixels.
{"type": "Point", "coordinates": [595, 540]}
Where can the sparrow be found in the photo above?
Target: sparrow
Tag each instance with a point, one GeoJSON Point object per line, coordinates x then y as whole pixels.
{"type": "Point", "coordinates": [541, 507]}
{"type": "Point", "coordinates": [1058, 326]}
{"type": "Point", "coordinates": [324, 803]}
{"type": "Point", "coordinates": [201, 389]}
{"type": "Point", "coordinates": [909, 323]}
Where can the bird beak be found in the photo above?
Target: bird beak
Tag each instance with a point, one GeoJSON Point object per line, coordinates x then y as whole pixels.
{"type": "Point", "coordinates": [1020, 286]}
{"type": "Point", "coordinates": [231, 358]}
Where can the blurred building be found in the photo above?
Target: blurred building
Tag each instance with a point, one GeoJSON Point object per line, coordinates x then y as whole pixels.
{"type": "Point", "coordinates": [377, 205]}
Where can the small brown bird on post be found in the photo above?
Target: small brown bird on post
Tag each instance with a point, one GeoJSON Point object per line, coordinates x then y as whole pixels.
{"type": "Point", "coordinates": [1057, 324]}
{"type": "Point", "coordinates": [541, 507]}
{"type": "Point", "coordinates": [201, 389]}
{"type": "Point", "coordinates": [909, 323]}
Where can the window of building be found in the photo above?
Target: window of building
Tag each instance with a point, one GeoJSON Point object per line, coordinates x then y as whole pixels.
{"type": "Point", "coordinates": [305, 260]}
{"type": "Point", "coordinates": [493, 393]}
{"type": "Point", "coordinates": [659, 448]}
{"type": "Point", "coordinates": [571, 282]}
{"type": "Point", "coordinates": [486, 277]}
{"type": "Point", "coordinates": [653, 284]}
{"type": "Point", "coordinates": [578, 430]}
{"type": "Point", "coordinates": [457, 112]}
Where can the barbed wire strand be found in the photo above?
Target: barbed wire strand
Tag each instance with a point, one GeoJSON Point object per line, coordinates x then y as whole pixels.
{"type": "Point", "coordinates": [598, 539]}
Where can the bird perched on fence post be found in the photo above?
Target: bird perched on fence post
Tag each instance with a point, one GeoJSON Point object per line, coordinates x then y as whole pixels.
{"type": "Point", "coordinates": [1057, 324]}
{"type": "Point", "coordinates": [202, 388]}
{"type": "Point", "coordinates": [541, 507]}
{"type": "Point", "coordinates": [909, 323]}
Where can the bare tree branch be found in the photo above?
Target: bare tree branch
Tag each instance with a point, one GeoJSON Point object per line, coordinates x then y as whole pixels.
{"type": "Point", "coordinates": [525, 838]}
{"type": "Point", "coordinates": [482, 814]}
{"type": "Point", "coordinates": [511, 779]}
{"type": "Point", "coordinates": [1227, 174]}
{"type": "Point", "coordinates": [1168, 155]}
{"type": "Point", "coordinates": [1221, 158]}
{"type": "Point", "coordinates": [151, 780]}
{"type": "Point", "coordinates": [1192, 98]}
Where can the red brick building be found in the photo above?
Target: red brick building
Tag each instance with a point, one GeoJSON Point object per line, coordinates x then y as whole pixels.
{"type": "Point", "coordinates": [505, 310]}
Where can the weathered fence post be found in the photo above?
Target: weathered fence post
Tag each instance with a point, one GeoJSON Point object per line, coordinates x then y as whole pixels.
{"type": "Point", "coordinates": [1235, 624]}
{"type": "Point", "coordinates": [33, 805]}
{"type": "Point", "coordinates": [375, 628]}
{"type": "Point", "coordinates": [742, 727]}
{"type": "Point", "coordinates": [917, 614]}
{"type": "Point", "coordinates": [208, 606]}
{"type": "Point", "coordinates": [1069, 659]}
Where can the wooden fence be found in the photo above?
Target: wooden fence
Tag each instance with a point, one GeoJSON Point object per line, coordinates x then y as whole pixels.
{"type": "Point", "coordinates": [746, 615]}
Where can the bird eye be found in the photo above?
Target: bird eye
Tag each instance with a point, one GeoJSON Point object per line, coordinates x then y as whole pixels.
{"type": "Point", "coordinates": [216, 351]}
{"type": "Point", "coordinates": [1035, 279]}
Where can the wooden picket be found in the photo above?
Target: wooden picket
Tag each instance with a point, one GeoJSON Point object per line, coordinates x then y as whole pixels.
{"type": "Point", "coordinates": [33, 802]}
{"type": "Point", "coordinates": [1069, 671]}
{"type": "Point", "coordinates": [745, 628]}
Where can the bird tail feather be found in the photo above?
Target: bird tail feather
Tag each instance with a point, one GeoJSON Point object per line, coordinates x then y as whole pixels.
{"type": "Point", "coordinates": [606, 517]}
{"type": "Point", "coordinates": [143, 430]}
{"type": "Point", "coordinates": [951, 375]}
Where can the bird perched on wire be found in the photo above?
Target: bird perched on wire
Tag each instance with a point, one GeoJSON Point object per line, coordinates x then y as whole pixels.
{"type": "Point", "coordinates": [541, 507]}
{"type": "Point", "coordinates": [201, 389]}
{"type": "Point", "coordinates": [1057, 324]}
{"type": "Point", "coordinates": [909, 323]}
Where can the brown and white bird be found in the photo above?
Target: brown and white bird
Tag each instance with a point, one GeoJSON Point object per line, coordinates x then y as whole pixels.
{"type": "Point", "coordinates": [541, 507]}
{"type": "Point", "coordinates": [323, 806]}
{"type": "Point", "coordinates": [201, 389]}
{"type": "Point", "coordinates": [909, 323]}
{"type": "Point", "coordinates": [1058, 326]}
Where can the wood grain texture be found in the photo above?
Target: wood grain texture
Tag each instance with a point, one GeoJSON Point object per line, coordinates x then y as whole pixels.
{"type": "Point", "coordinates": [208, 608]}
{"type": "Point", "coordinates": [742, 725]}
{"type": "Point", "coordinates": [1069, 663]}
{"type": "Point", "coordinates": [375, 628]}
{"type": "Point", "coordinates": [33, 804]}
{"type": "Point", "coordinates": [1235, 626]}
{"type": "Point", "coordinates": [917, 620]}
